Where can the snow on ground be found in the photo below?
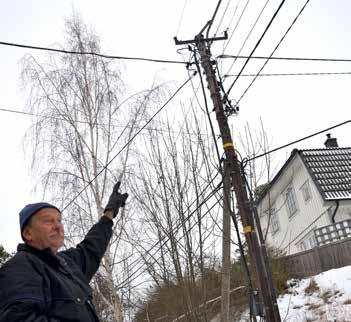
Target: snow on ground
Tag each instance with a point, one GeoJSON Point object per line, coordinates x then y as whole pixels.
{"type": "Point", "coordinates": [324, 298]}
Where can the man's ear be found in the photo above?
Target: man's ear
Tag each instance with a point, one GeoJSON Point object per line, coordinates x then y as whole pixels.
{"type": "Point", "coordinates": [27, 233]}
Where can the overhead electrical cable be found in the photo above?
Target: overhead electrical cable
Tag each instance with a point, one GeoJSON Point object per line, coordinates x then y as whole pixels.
{"type": "Point", "coordinates": [208, 114]}
{"type": "Point", "coordinates": [210, 22]}
{"type": "Point", "coordinates": [298, 140]}
{"type": "Point", "coordinates": [292, 74]}
{"type": "Point", "coordinates": [130, 141]}
{"type": "Point", "coordinates": [141, 272]}
{"type": "Point", "coordinates": [249, 34]}
{"type": "Point", "coordinates": [345, 60]}
{"type": "Point", "coordinates": [221, 20]}
{"type": "Point", "coordinates": [205, 199]}
{"type": "Point", "coordinates": [166, 239]}
{"type": "Point", "coordinates": [72, 52]}
{"type": "Point", "coordinates": [225, 196]}
{"type": "Point", "coordinates": [236, 26]}
{"type": "Point", "coordinates": [98, 124]}
{"type": "Point", "coordinates": [257, 44]}
{"type": "Point", "coordinates": [181, 16]}
{"type": "Point", "coordinates": [274, 50]}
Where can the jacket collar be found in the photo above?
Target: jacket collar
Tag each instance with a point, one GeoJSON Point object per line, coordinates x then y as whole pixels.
{"type": "Point", "coordinates": [46, 254]}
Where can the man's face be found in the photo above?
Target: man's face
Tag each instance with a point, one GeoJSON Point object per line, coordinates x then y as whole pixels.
{"type": "Point", "coordinates": [45, 229]}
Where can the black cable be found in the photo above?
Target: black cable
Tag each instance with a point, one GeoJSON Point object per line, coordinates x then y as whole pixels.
{"type": "Point", "coordinates": [72, 52]}
{"type": "Point", "coordinates": [236, 26]}
{"type": "Point", "coordinates": [98, 124]}
{"type": "Point", "coordinates": [257, 44]}
{"type": "Point", "coordinates": [128, 280]}
{"type": "Point", "coordinates": [127, 144]}
{"type": "Point", "coordinates": [207, 198]}
{"type": "Point", "coordinates": [181, 16]}
{"type": "Point", "coordinates": [249, 34]}
{"type": "Point", "coordinates": [342, 60]}
{"type": "Point", "coordinates": [293, 74]}
{"type": "Point", "coordinates": [274, 50]}
{"type": "Point", "coordinates": [261, 239]}
{"type": "Point", "coordinates": [210, 23]}
{"type": "Point", "coordinates": [208, 114]}
{"type": "Point", "coordinates": [298, 140]}
{"type": "Point", "coordinates": [223, 175]}
{"type": "Point", "coordinates": [166, 239]}
{"type": "Point", "coordinates": [221, 20]}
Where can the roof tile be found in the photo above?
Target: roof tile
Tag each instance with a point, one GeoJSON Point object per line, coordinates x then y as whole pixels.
{"type": "Point", "coordinates": [330, 170]}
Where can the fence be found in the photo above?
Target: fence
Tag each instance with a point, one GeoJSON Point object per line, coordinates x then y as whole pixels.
{"type": "Point", "coordinates": [319, 259]}
{"type": "Point", "coordinates": [333, 232]}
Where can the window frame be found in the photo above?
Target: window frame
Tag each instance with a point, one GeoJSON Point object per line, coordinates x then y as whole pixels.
{"type": "Point", "coordinates": [290, 191]}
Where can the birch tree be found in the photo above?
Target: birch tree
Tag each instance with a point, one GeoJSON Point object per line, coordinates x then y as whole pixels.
{"type": "Point", "coordinates": [83, 118]}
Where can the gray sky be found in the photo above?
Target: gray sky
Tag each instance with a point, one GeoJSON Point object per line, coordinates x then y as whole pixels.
{"type": "Point", "coordinates": [291, 107]}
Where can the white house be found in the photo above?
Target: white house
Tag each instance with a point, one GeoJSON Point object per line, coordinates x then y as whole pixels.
{"type": "Point", "coordinates": [310, 191]}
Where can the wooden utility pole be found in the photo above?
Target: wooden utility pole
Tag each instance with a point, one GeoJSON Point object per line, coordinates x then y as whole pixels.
{"type": "Point", "coordinates": [260, 269]}
{"type": "Point", "coordinates": [226, 240]}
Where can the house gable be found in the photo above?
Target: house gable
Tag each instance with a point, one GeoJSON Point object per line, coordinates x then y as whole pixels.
{"type": "Point", "coordinates": [302, 194]}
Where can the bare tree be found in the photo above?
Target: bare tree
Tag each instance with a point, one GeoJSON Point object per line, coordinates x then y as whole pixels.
{"type": "Point", "coordinates": [174, 178]}
{"type": "Point", "coordinates": [84, 118]}
{"type": "Point", "coordinates": [258, 170]}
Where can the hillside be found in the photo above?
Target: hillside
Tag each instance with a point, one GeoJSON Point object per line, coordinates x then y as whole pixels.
{"type": "Point", "coordinates": [324, 297]}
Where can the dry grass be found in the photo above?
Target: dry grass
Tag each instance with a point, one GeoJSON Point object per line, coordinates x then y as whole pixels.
{"type": "Point", "coordinates": [326, 295]}
{"type": "Point", "coordinates": [312, 287]}
{"type": "Point", "coordinates": [348, 301]}
{"type": "Point", "coordinates": [313, 306]}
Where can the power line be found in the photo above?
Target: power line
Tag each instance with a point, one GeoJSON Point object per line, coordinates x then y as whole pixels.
{"type": "Point", "coordinates": [298, 140]}
{"type": "Point", "coordinates": [181, 16]}
{"type": "Point", "coordinates": [210, 22]}
{"type": "Point", "coordinates": [236, 26]}
{"type": "Point", "coordinates": [138, 272]}
{"type": "Point", "coordinates": [130, 141]}
{"type": "Point", "coordinates": [208, 114]}
{"type": "Point", "coordinates": [274, 50]}
{"type": "Point", "coordinates": [292, 74]}
{"type": "Point", "coordinates": [257, 44]}
{"type": "Point", "coordinates": [221, 20]}
{"type": "Point", "coordinates": [166, 239]}
{"type": "Point", "coordinates": [345, 60]}
{"type": "Point", "coordinates": [98, 124]}
{"type": "Point", "coordinates": [207, 198]}
{"type": "Point", "coordinates": [72, 52]}
{"type": "Point", "coordinates": [249, 34]}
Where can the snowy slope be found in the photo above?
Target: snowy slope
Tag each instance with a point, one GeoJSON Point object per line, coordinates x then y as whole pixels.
{"type": "Point", "coordinates": [324, 297]}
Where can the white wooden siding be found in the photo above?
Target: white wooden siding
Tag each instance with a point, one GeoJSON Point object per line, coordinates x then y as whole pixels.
{"type": "Point", "coordinates": [309, 215]}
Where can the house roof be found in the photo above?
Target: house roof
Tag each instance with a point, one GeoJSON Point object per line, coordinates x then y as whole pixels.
{"type": "Point", "coordinates": [329, 168]}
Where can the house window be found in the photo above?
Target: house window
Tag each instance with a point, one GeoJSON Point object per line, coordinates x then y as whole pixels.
{"type": "Point", "coordinates": [275, 225]}
{"type": "Point", "coordinates": [291, 201]}
{"type": "Point", "coordinates": [306, 191]}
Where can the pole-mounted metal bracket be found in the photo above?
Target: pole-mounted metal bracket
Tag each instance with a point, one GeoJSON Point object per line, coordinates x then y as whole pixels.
{"type": "Point", "coordinates": [200, 37]}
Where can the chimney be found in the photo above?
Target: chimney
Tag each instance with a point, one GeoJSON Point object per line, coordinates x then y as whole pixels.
{"type": "Point", "coordinates": [330, 142]}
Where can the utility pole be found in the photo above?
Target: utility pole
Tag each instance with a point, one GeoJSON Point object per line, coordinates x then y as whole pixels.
{"type": "Point", "coordinates": [226, 240]}
{"type": "Point", "coordinates": [260, 269]}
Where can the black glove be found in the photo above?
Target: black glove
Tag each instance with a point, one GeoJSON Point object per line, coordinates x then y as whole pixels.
{"type": "Point", "coordinates": [116, 200]}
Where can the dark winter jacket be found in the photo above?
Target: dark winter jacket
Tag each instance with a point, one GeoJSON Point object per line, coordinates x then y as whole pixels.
{"type": "Point", "coordinates": [37, 285]}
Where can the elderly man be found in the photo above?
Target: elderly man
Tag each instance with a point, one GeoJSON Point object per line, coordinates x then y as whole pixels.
{"type": "Point", "coordinates": [41, 284]}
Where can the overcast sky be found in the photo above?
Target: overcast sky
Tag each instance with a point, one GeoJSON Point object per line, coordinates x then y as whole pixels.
{"type": "Point", "coordinates": [291, 107]}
